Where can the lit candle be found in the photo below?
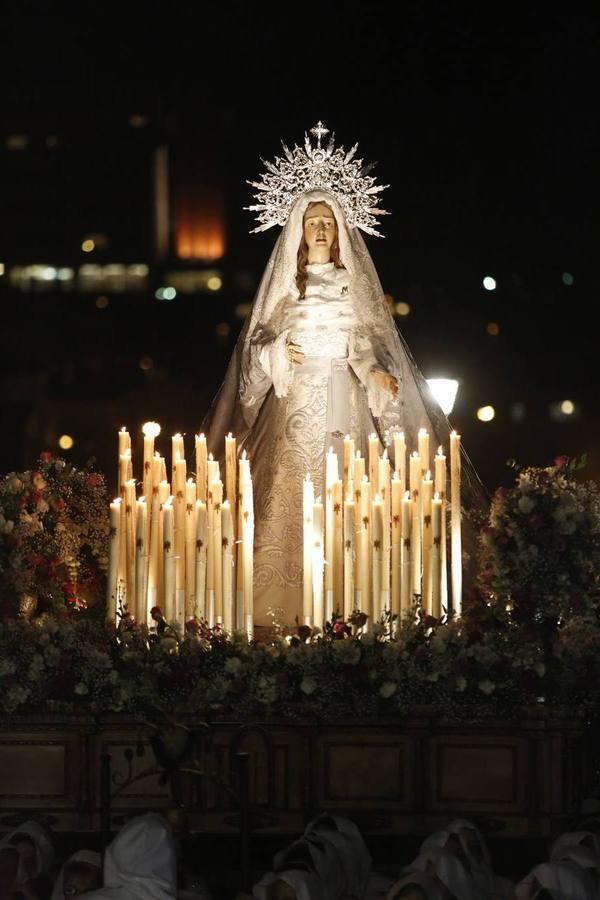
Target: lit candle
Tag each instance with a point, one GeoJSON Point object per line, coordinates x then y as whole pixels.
{"type": "Point", "coordinates": [190, 548]}
{"type": "Point", "coordinates": [397, 493]}
{"type": "Point", "coordinates": [377, 542]}
{"type": "Point", "coordinates": [359, 473]}
{"type": "Point", "coordinates": [201, 466]}
{"type": "Point", "coordinates": [227, 542]}
{"type": "Point", "coordinates": [113, 560]}
{"type": "Point", "coordinates": [385, 494]}
{"type": "Point", "coordinates": [200, 547]}
{"type": "Point", "coordinates": [141, 611]}
{"type": "Point", "coordinates": [349, 526]}
{"type": "Point", "coordinates": [308, 501]}
{"type": "Point", "coordinates": [217, 550]}
{"type": "Point", "coordinates": [440, 488]}
{"type": "Point", "coordinates": [424, 449]}
{"type": "Point", "coordinates": [400, 457]}
{"type": "Point", "coordinates": [318, 560]}
{"type": "Point", "coordinates": [151, 430]}
{"type": "Point", "coordinates": [364, 545]}
{"type": "Point", "coordinates": [177, 452]}
{"type": "Point", "coordinates": [179, 513]}
{"type": "Point", "coordinates": [436, 556]}
{"type": "Point", "coordinates": [373, 461]}
{"type": "Point", "coordinates": [426, 498]}
{"type": "Point", "coordinates": [164, 492]}
{"type": "Point", "coordinates": [406, 592]}
{"type": "Point", "coordinates": [230, 469]}
{"type": "Point", "coordinates": [130, 531]}
{"type": "Point", "coordinates": [348, 467]}
{"type": "Point", "coordinates": [338, 547]}
{"type": "Point", "coordinates": [156, 471]}
{"type": "Point", "coordinates": [169, 561]}
{"type": "Point", "coordinates": [415, 542]}
{"type": "Point", "coordinates": [124, 470]}
{"type": "Point", "coordinates": [124, 447]}
{"type": "Point", "coordinates": [455, 516]}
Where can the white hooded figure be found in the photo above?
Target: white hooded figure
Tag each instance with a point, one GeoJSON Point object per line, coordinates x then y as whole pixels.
{"type": "Point", "coordinates": [347, 840]}
{"type": "Point", "coordinates": [87, 857]}
{"type": "Point", "coordinates": [449, 869]}
{"type": "Point", "coordinates": [41, 860]}
{"type": "Point", "coordinates": [561, 880]}
{"type": "Point", "coordinates": [319, 357]}
{"type": "Point", "coordinates": [140, 863]}
{"type": "Point", "coordinates": [318, 856]}
{"type": "Point", "coordinates": [465, 840]}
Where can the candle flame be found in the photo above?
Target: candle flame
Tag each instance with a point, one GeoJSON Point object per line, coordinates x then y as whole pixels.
{"type": "Point", "coordinates": [151, 429]}
{"type": "Point", "coordinates": [440, 453]}
{"type": "Point", "coordinates": [407, 495]}
{"type": "Point", "coordinates": [414, 455]}
{"type": "Point", "coordinates": [123, 428]}
{"type": "Point", "coordinates": [190, 481]}
{"type": "Point", "coordinates": [357, 455]}
{"type": "Point", "coordinates": [319, 500]}
{"type": "Point", "coordinates": [177, 437]}
{"type": "Point", "coordinates": [117, 500]}
{"type": "Point", "coordinates": [331, 449]}
{"type": "Point", "coordinates": [436, 496]}
{"type": "Point", "coordinates": [201, 437]}
{"type": "Point", "coordinates": [365, 479]}
{"type": "Point", "coordinates": [422, 431]}
{"type": "Point", "coordinates": [141, 499]}
{"type": "Point", "coordinates": [427, 476]}
{"type": "Point", "coordinates": [384, 454]}
{"type": "Point", "coordinates": [244, 455]}
{"type": "Point", "coordinates": [230, 436]}
{"type": "Point", "coordinates": [211, 457]}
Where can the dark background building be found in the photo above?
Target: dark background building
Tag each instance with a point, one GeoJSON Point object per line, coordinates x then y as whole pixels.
{"type": "Point", "coordinates": [124, 157]}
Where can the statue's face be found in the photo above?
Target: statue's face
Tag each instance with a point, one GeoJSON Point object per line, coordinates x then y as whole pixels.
{"type": "Point", "coordinates": [320, 228]}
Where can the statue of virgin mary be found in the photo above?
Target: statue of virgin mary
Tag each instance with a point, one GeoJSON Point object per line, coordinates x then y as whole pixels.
{"type": "Point", "coordinates": [319, 357]}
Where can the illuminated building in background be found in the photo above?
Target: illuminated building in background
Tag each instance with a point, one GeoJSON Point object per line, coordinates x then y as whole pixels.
{"type": "Point", "coordinates": [198, 206]}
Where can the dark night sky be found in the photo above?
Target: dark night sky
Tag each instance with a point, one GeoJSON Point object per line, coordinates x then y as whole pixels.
{"type": "Point", "coordinates": [485, 126]}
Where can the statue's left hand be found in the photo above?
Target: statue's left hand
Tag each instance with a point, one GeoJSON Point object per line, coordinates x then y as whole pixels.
{"type": "Point", "coordinates": [386, 381]}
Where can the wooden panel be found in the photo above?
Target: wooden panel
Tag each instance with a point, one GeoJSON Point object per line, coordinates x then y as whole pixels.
{"type": "Point", "coordinates": [364, 769]}
{"type": "Point", "coordinates": [488, 773]}
{"type": "Point", "coordinates": [139, 793]}
{"type": "Point", "coordinates": [35, 769]}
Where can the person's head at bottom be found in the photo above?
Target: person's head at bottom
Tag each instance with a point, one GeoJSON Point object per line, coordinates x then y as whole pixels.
{"type": "Point", "coordinates": [79, 878]}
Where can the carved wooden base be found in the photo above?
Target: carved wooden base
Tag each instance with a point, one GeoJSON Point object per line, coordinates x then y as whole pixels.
{"type": "Point", "coordinates": [522, 779]}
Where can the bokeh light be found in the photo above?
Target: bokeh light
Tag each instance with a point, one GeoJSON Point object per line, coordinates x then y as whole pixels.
{"type": "Point", "coordinates": [493, 329]}
{"type": "Point", "coordinates": [486, 413]}
{"type": "Point", "coordinates": [402, 308]}
{"type": "Point", "coordinates": [567, 407]}
{"type": "Point", "coordinates": [88, 245]}
{"type": "Point", "coordinates": [65, 442]}
{"type": "Point", "coordinates": [489, 283]}
{"type": "Point", "coordinates": [444, 391]}
{"type": "Point", "coordinates": [567, 279]}
{"type": "Point", "coordinates": [101, 302]}
{"type": "Point", "coordinates": [214, 283]}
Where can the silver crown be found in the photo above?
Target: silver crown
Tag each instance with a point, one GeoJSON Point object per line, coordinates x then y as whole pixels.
{"type": "Point", "coordinates": [328, 168]}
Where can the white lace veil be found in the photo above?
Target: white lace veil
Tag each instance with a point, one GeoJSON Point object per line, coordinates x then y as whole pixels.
{"type": "Point", "coordinates": [240, 398]}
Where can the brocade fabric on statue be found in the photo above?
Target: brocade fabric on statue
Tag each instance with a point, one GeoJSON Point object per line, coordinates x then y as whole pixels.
{"type": "Point", "coordinates": [325, 398]}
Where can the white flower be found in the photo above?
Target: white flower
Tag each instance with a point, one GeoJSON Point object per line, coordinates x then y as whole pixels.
{"type": "Point", "coordinates": [81, 689]}
{"type": "Point", "coordinates": [14, 484]}
{"type": "Point", "coordinates": [233, 665]}
{"type": "Point", "coordinates": [308, 685]}
{"type": "Point", "coordinates": [461, 683]}
{"type": "Point", "coordinates": [7, 526]}
{"type": "Point", "coordinates": [540, 669]}
{"type": "Point", "coordinates": [526, 503]}
{"type": "Point", "coordinates": [487, 686]}
{"type": "Point", "coordinates": [388, 688]}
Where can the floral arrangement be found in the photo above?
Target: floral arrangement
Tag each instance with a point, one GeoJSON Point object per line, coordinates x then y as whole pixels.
{"type": "Point", "coordinates": [540, 551]}
{"type": "Point", "coordinates": [53, 537]}
{"type": "Point", "coordinates": [529, 633]}
{"type": "Point", "coordinates": [466, 668]}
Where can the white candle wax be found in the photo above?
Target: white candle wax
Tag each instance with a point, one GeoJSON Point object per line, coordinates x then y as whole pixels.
{"type": "Point", "coordinates": [349, 527]}
{"type": "Point", "coordinates": [308, 501]}
{"type": "Point", "coordinates": [227, 559]}
{"type": "Point", "coordinates": [455, 523]}
{"type": "Point", "coordinates": [217, 549]}
{"type": "Point", "coordinates": [113, 560]}
{"type": "Point", "coordinates": [190, 548]}
{"type": "Point", "coordinates": [201, 466]}
{"type": "Point", "coordinates": [200, 548]}
{"type": "Point", "coordinates": [415, 542]}
{"type": "Point", "coordinates": [377, 543]}
{"type": "Point", "coordinates": [423, 445]}
{"type": "Point", "coordinates": [396, 551]}
{"type": "Point", "coordinates": [426, 498]}
{"type": "Point", "coordinates": [318, 560]}
{"type": "Point", "coordinates": [338, 547]}
{"type": "Point", "coordinates": [406, 585]}
{"type": "Point", "coordinates": [436, 556]}
{"type": "Point", "coordinates": [400, 457]}
{"type": "Point", "coordinates": [141, 610]}
{"type": "Point", "coordinates": [169, 561]}
{"type": "Point", "coordinates": [374, 461]}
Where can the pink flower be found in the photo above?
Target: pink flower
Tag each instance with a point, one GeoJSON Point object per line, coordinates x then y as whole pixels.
{"type": "Point", "coordinates": [561, 461]}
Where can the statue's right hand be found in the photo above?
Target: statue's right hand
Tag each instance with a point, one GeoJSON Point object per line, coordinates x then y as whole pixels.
{"type": "Point", "coordinates": [294, 353]}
